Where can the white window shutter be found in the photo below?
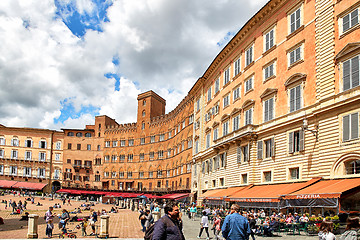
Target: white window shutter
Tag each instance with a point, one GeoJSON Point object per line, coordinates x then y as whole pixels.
{"type": "Point", "coordinates": [272, 147]}
{"type": "Point", "coordinates": [30, 172]}
{"type": "Point", "coordinates": [354, 126]}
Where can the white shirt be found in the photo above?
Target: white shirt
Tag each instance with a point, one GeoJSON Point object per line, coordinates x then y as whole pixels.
{"type": "Point", "coordinates": [205, 221]}
{"type": "Point", "coordinates": [326, 236]}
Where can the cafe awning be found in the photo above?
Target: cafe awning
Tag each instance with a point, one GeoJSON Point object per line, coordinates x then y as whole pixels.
{"type": "Point", "coordinates": [7, 183]}
{"type": "Point", "coordinates": [175, 196]}
{"type": "Point", "coordinates": [29, 185]}
{"type": "Point", "coordinates": [223, 193]}
{"type": "Point", "coordinates": [325, 193]}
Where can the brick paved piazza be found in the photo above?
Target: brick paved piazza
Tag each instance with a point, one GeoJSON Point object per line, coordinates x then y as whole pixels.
{"type": "Point", "coordinates": [124, 224]}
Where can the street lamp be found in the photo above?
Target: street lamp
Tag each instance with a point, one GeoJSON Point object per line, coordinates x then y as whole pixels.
{"type": "Point", "coordinates": [305, 127]}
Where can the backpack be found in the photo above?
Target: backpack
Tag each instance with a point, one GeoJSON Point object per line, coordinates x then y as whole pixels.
{"type": "Point", "coordinates": [150, 230]}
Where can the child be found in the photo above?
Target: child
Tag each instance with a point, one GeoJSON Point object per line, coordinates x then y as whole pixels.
{"type": "Point", "coordinates": [49, 228]}
{"type": "Point", "coordinates": [83, 225]}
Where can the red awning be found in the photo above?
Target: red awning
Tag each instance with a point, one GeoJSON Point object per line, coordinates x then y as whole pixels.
{"type": "Point", "coordinates": [7, 184]}
{"type": "Point", "coordinates": [29, 185]}
{"type": "Point", "coordinates": [175, 196]}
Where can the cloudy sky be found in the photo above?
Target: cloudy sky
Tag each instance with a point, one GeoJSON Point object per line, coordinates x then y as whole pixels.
{"type": "Point", "coordinates": [63, 62]}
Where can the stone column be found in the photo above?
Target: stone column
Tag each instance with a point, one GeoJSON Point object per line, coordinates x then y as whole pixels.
{"type": "Point", "coordinates": [156, 216]}
{"type": "Point", "coordinates": [104, 226]}
{"type": "Point", "coordinates": [33, 226]}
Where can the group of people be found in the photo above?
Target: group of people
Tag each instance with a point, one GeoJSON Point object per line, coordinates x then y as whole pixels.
{"type": "Point", "coordinates": [17, 208]}
{"type": "Point", "coordinates": [64, 218]}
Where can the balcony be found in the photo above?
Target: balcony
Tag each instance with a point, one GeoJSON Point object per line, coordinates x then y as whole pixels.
{"type": "Point", "coordinates": [87, 166]}
{"type": "Point", "coordinates": [9, 158]}
{"type": "Point", "coordinates": [77, 166]}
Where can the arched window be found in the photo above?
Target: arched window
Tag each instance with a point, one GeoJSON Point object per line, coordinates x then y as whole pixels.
{"type": "Point", "coordinates": [70, 134]}
{"type": "Point", "coordinates": [352, 167]}
{"type": "Point", "coordinates": [143, 113]}
{"type": "Point", "coordinates": [79, 134]}
{"type": "Point", "coordinates": [87, 134]}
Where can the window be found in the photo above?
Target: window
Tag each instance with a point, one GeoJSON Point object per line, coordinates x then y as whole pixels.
{"type": "Point", "coordinates": [27, 155]}
{"type": "Point", "coordinates": [142, 156]}
{"type": "Point", "coordinates": [191, 120]}
{"type": "Point", "coordinates": [221, 182]}
{"type": "Point", "coordinates": [151, 155]}
{"type": "Point", "coordinates": [70, 134]}
{"type": "Point", "coordinates": [269, 40]}
{"type": "Point", "coordinates": [226, 100]}
{"type": "Point", "coordinates": [57, 174]}
{"type": "Point", "coordinates": [122, 157]}
{"type": "Point", "coordinates": [295, 98]}
{"type": "Point", "coordinates": [245, 153]}
{"type": "Point", "coordinates": [97, 178]}
{"type": "Point", "coordinates": [216, 131]}
{"type": "Point", "coordinates": [249, 55]}
{"type": "Point", "coordinates": [1, 153]}
{"type": "Point", "coordinates": [269, 148]}
{"type": "Point", "coordinates": [152, 139]}
{"type": "Point", "coordinates": [68, 161]}
{"type": "Point", "coordinates": [295, 55]}
{"type": "Point", "coordinates": [113, 174]}
{"type": "Point", "coordinates": [208, 139]}
{"type": "Point", "coordinates": [353, 167]}
{"type": "Point", "coordinates": [144, 102]}
{"type": "Point", "coordinates": [57, 156]}
{"type": "Point", "coordinates": [217, 86]}
{"type": "Point", "coordinates": [130, 157]}
{"type": "Point", "coordinates": [169, 152]}
{"type": "Point", "coordinates": [121, 175]}
{"type": "Point", "coordinates": [57, 147]}
{"type": "Point", "coordinates": [160, 154]}
{"type": "Point", "coordinates": [29, 144]}
{"type": "Point", "coordinates": [113, 158]}
{"type": "Point", "coordinates": [129, 174]}
{"type": "Point", "coordinates": [151, 174]}
{"type": "Point", "coordinates": [142, 125]}
{"type": "Point", "coordinates": [190, 143]}
{"type": "Point", "coordinates": [131, 142]}
{"type": "Point", "coordinates": [294, 173]}
{"type": "Point", "coordinates": [1, 169]}
{"type": "Point", "coordinates": [237, 67]}
{"type": "Point", "coordinates": [78, 147]}
{"type": "Point", "coordinates": [351, 73]}
{"type": "Point", "coordinates": [122, 143]}
{"type": "Point", "coordinates": [2, 141]}
{"type": "Point", "coordinates": [225, 128]}
{"type": "Point", "coordinates": [97, 161]}
{"type": "Point", "coordinates": [162, 137]}
{"type": "Point", "coordinates": [215, 109]}
{"type": "Point", "coordinates": [88, 147]}
{"type": "Point", "coordinates": [143, 113]}
{"type": "Point", "coordinates": [15, 142]}
{"type": "Point", "coordinates": [114, 143]}
{"type": "Point", "coordinates": [223, 159]}
{"type": "Point", "coordinates": [196, 146]}
{"type": "Point", "coordinates": [79, 134]}
{"type": "Point", "coordinates": [209, 94]}
{"type": "Point", "coordinates": [41, 172]}
{"type": "Point", "coordinates": [142, 141]}
{"type": "Point", "coordinates": [269, 71]}
{"type": "Point", "coordinates": [248, 84]}
{"type": "Point", "coordinates": [107, 143]}
{"type": "Point", "coordinates": [13, 170]}
{"type": "Point", "coordinates": [350, 20]}
{"type": "Point", "coordinates": [296, 141]}
{"type": "Point", "coordinates": [198, 105]}
{"type": "Point", "coordinates": [236, 121]}
{"type": "Point", "coordinates": [248, 116]}
{"type": "Point", "coordinates": [159, 173]}
{"type": "Point", "coordinates": [98, 147]}
{"type": "Point", "coordinates": [87, 134]}
{"type": "Point", "coordinates": [295, 20]}
{"type": "Point", "coordinates": [244, 178]}
{"type": "Point", "coordinates": [236, 93]}
{"type": "Point", "coordinates": [27, 172]}
{"type": "Point", "coordinates": [106, 158]}
{"type": "Point", "coordinates": [226, 76]}
{"type": "Point", "coordinates": [269, 109]}
{"type": "Point", "coordinates": [267, 176]}
{"type": "Point", "coordinates": [351, 127]}
{"type": "Point", "coordinates": [14, 154]}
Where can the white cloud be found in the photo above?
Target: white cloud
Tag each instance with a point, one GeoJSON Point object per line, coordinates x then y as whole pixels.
{"type": "Point", "coordinates": [162, 45]}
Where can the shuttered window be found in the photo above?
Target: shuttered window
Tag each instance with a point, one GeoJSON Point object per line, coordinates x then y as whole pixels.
{"type": "Point", "coordinates": [260, 150]}
{"type": "Point", "coordinates": [295, 56]}
{"type": "Point", "coordinates": [248, 116]}
{"type": "Point", "coordinates": [295, 98]}
{"type": "Point", "coordinates": [269, 109]}
{"type": "Point", "coordinates": [296, 141]}
{"type": "Point", "coordinates": [295, 20]}
{"type": "Point", "coordinates": [350, 20]}
{"type": "Point", "coordinates": [226, 76]}
{"type": "Point", "coordinates": [269, 71]}
{"type": "Point", "coordinates": [249, 56]}
{"type": "Point", "coordinates": [351, 127]}
{"type": "Point", "coordinates": [217, 86]}
{"type": "Point", "coordinates": [351, 73]}
{"type": "Point", "coordinates": [245, 153]}
{"type": "Point", "coordinates": [238, 154]}
{"type": "Point", "coordinates": [237, 68]}
{"type": "Point", "coordinates": [269, 40]}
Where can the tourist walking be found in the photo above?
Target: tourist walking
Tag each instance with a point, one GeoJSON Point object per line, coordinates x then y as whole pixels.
{"type": "Point", "coordinates": [142, 218]}
{"type": "Point", "coordinates": [204, 224]}
{"type": "Point", "coordinates": [352, 230]}
{"type": "Point", "coordinates": [92, 221]}
{"type": "Point", "coordinates": [217, 226]}
{"type": "Point", "coordinates": [235, 226]}
{"type": "Point", "coordinates": [169, 227]}
{"type": "Point", "coordinates": [325, 231]}
{"type": "Point", "coordinates": [149, 218]}
{"type": "Point", "coordinates": [193, 212]}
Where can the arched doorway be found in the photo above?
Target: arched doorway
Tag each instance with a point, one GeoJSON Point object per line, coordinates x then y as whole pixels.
{"type": "Point", "coordinates": [56, 185]}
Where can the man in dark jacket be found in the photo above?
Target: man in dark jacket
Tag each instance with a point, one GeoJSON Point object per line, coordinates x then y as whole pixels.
{"type": "Point", "coordinates": [169, 227]}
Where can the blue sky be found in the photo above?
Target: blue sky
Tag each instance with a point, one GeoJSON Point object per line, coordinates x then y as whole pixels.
{"type": "Point", "coordinates": [65, 61]}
